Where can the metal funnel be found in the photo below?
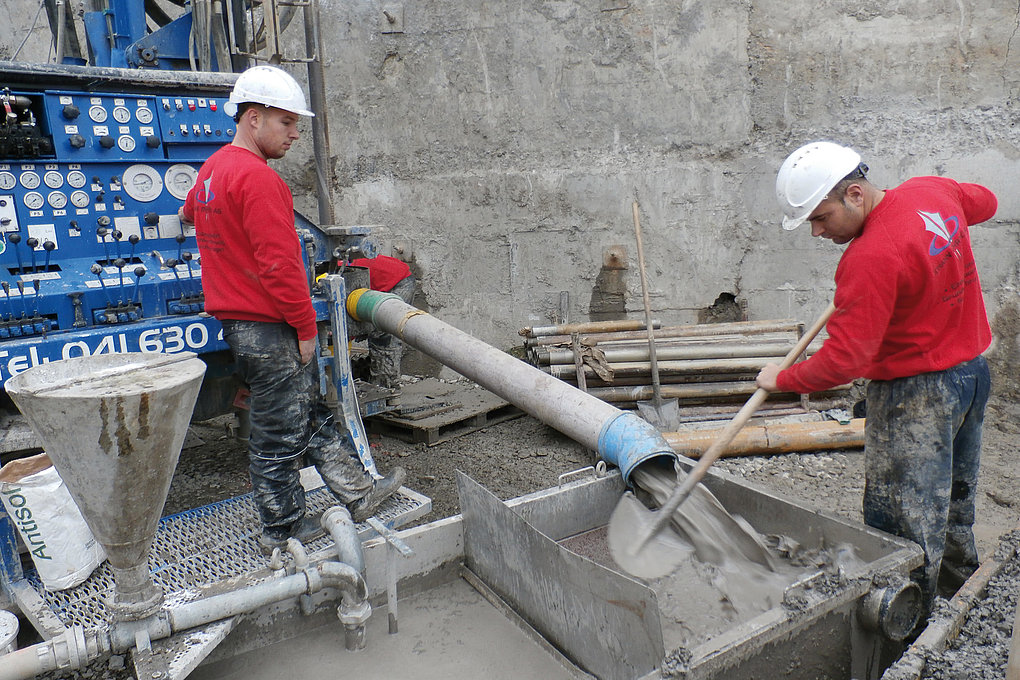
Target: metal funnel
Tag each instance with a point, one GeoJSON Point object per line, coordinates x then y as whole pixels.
{"type": "Point", "coordinates": [113, 425]}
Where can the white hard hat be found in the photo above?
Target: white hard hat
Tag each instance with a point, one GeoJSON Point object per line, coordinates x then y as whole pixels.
{"type": "Point", "coordinates": [270, 86]}
{"type": "Point", "coordinates": [808, 174]}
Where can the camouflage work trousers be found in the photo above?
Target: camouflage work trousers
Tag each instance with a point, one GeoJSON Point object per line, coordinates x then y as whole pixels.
{"type": "Point", "coordinates": [291, 425]}
{"type": "Point", "coordinates": [922, 453]}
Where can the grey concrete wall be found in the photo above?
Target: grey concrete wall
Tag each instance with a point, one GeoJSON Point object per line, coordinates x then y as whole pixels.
{"type": "Point", "coordinates": [502, 143]}
{"type": "Point", "coordinates": [506, 141]}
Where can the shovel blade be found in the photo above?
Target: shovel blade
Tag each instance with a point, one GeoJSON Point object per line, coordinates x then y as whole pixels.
{"type": "Point", "coordinates": [633, 546]}
{"type": "Point", "coordinates": [664, 416]}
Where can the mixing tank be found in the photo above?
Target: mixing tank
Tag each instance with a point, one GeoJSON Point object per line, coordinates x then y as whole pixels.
{"type": "Point", "coordinates": [114, 425]}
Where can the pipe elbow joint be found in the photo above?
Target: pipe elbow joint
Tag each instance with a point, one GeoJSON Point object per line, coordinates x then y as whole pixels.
{"type": "Point", "coordinates": [344, 532]}
{"type": "Point", "coordinates": [344, 578]}
{"type": "Point", "coordinates": [629, 440]}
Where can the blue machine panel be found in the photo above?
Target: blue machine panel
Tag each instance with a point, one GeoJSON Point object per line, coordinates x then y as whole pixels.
{"type": "Point", "coordinates": [90, 240]}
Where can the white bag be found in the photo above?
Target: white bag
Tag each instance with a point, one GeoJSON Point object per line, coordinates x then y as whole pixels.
{"type": "Point", "coordinates": [63, 548]}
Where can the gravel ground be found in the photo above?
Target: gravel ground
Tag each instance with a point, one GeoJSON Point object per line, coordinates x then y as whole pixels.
{"type": "Point", "coordinates": [523, 455]}
{"type": "Point", "coordinates": [981, 650]}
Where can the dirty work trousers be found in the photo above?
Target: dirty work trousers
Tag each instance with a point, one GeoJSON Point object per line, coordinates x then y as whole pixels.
{"type": "Point", "coordinates": [290, 424]}
{"type": "Point", "coordinates": [384, 349]}
{"type": "Point", "coordinates": [922, 452]}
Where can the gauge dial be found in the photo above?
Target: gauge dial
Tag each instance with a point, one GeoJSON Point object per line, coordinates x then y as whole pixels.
{"type": "Point", "coordinates": [34, 200]}
{"type": "Point", "coordinates": [79, 199]}
{"type": "Point", "coordinates": [144, 115]}
{"type": "Point", "coordinates": [76, 178]}
{"type": "Point", "coordinates": [179, 180]}
{"type": "Point", "coordinates": [29, 180]}
{"type": "Point", "coordinates": [121, 114]}
{"type": "Point", "coordinates": [142, 183]}
{"type": "Point", "coordinates": [57, 200]}
{"type": "Point", "coordinates": [126, 143]}
{"type": "Point", "coordinates": [53, 179]}
{"type": "Point", "coordinates": [98, 114]}
{"type": "Point", "coordinates": [7, 181]}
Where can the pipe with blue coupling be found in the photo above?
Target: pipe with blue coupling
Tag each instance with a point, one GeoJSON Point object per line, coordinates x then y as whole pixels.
{"type": "Point", "coordinates": [621, 438]}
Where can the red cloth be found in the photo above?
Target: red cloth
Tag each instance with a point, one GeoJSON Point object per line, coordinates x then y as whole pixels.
{"type": "Point", "coordinates": [252, 262]}
{"type": "Point", "coordinates": [384, 271]}
{"type": "Point", "coordinates": [908, 300]}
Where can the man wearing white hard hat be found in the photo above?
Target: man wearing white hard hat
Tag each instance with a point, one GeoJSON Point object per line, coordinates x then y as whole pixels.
{"type": "Point", "coordinates": [910, 317]}
{"type": "Point", "coordinates": [255, 283]}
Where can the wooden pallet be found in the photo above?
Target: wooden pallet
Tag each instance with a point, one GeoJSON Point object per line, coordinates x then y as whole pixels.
{"type": "Point", "coordinates": [432, 412]}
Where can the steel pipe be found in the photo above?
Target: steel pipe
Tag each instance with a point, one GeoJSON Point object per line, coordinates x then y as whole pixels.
{"type": "Point", "coordinates": [666, 353]}
{"type": "Point", "coordinates": [589, 327]}
{"type": "Point", "coordinates": [626, 369]}
{"type": "Point", "coordinates": [342, 576]}
{"type": "Point", "coordinates": [622, 439]}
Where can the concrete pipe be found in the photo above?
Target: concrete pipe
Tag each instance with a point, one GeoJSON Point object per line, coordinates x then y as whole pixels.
{"type": "Point", "coordinates": [620, 438]}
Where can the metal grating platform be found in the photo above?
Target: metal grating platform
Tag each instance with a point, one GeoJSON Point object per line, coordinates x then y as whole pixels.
{"type": "Point", "coordinates": [206, 545]}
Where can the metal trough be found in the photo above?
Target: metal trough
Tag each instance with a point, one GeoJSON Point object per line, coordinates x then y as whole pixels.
{"type": "Point", "coordinates": [494, 593]}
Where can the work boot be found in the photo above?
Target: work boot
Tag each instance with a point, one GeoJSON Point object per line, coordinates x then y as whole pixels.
{"type": "Point", "coordinates": [305, 531]}
{"type": "Point", "coordinates": [365, 507]}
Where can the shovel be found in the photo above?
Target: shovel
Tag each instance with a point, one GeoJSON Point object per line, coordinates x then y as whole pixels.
{"type": "Point", "coordinates": [633, 528]}
{"type": "Point", "coordinates": [665, 416]}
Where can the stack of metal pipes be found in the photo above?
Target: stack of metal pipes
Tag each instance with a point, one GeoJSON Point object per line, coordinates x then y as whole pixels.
{"type": "Point", "coordinates": [709, 368]}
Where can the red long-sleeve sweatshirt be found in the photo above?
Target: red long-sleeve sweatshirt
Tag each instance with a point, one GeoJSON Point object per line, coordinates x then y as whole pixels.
{"type": "Point", "coordinates": [908, 298]}
{"type": "Point", "coordinates": [252, 264]}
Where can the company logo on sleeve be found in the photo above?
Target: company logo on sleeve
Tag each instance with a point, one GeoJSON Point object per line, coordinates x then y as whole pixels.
{"type": "Point", "coordinates": [943, 238]}
{"type": "Point", "coordinates": [205, 194]}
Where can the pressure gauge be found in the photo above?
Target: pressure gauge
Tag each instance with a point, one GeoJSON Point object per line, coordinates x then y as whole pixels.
{"type": "Point", "coordinates": [126, 143]}
{"type": "Point", "coordinates": [144, 115]}
{"type": "Point", "coordinates": [121, 114]}
{"type": "Point", "coordinates": [76, 178]}
{"type": "Point", "coordinates": [79, 199]}
{"type": "Point", "coordinates": [142, 183]}
{"type": "Point", "coordinates": [98, 114]}
{"type": "Point", "coordinates": [179, 180]}
{"type": "Point", "coordinates": [34, 200]}
{"type": "Point", "coordinates": [53, 179]}
{"type": "Point", "coordinates": [29, 180]}
{"type": "Point", "coordinates": [57, 200]}
{"type": "Point", "coordinates": [7, 181]}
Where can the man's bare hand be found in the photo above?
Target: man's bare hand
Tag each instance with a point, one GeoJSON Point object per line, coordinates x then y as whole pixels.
{"type": "Point", "coordinates": [307, 349]}
{"type": "Point", "coordinates": [184, 218]}
{"type": "Point", "coordinates": [767, 377]}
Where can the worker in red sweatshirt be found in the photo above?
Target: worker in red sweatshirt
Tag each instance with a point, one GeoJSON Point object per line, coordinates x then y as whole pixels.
{"type": "Point", "coordinates": [910, 317]}
{"type": "Point", "coordinates": [389, 275]}
{"type": "Point", "coordinates": [255, 284]}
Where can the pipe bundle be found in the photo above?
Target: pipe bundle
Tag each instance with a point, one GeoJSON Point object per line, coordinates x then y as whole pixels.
{"type": "Point", "coordinates": [709, 368]}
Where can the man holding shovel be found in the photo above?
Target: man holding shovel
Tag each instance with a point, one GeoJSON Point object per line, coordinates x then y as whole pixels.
{"type": "Point", "coordinates": [910, 317]}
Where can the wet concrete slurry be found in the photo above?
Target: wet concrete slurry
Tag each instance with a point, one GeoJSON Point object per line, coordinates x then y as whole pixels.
{"type": "Point", "coordinates": [447, 632]}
